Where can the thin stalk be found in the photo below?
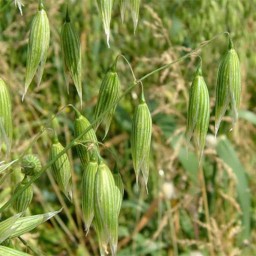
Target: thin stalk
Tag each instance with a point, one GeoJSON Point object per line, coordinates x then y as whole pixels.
{"type": "Point", "coordinates": [129, 65]}
{"type": "Point", "coordinates": [171, 222]}
{"type": "Point", "coordinates": [206, 208]}
{"type": "Point", "coordinates": [101, 116]}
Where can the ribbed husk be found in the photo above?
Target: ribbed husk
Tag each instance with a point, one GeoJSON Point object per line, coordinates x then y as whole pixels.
{"type": "Point", "coordinates": [6, 126]}
{"type": "Point", "coordinates": [198, 112]}
{"type": "Point", "coordinates": [228, 90]}
{"type": "Point", "coordinates": [30, 165]}
{"type": "Point", "coordinates": [87, 190]}
{"type": "Point", "coordinates": [38, 45]}
{"type": "Point", "coordinates": [87, 145]}
{"type": "Point", "coordinates": [24, 198]}
{"type": "Point", "coordinates": [105, 9]}
{"type": "Point", "coordinates": [108, 95]}
{"type": "Point", "coordinates": [135, 10]}
{"type": "Point", "coordinates": [106, 208]}
{"type": "Point", "coordinates": [61, 169]}
{"type": "Point", "coordinates": [141, 140]}
{"type": "Point", "coordinates": [71, 52]}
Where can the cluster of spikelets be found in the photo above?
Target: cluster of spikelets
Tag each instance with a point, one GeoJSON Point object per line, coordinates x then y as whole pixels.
{"type": "Point", "coordinates": [105, 9]}
{"type": "Point", "coordinates": [39, 40]}
{"type": "Point", "coordinates": [101, 190]}
{"type": "Point", "coordinates": [228, 93]}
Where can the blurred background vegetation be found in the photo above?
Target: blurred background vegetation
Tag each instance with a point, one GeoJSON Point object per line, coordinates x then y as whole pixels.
{"type": "Point", "coordinates": [170, 219]}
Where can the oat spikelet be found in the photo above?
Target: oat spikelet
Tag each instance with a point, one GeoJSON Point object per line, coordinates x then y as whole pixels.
{"type": "Point", "coordinates": [141, 139]}
{"type": "Point", "coordinates": [198, 112]}
{"type": "Point", "coordinates": [71, 52]}
{"type": "Point", "coordinates": [228, 89]}
{"type": "Point", "coordinates": [38, 45]}
{"type": "Point", "coordinates": [105, 9]}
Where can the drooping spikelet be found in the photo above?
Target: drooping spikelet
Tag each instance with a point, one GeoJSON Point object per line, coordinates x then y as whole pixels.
{"type": "Point", "coordinates": [87, 190]}
{"type": "Point", "coordinates": [71, 52]}
{"type": "Point", "coordinates": [38, 45]}
{"type": "Point", "coordinates": [124, 6]}
{"type": "Point", "coordinates": [6, 127]}
{"type": "Point", "coordinates": [228, 90]}
{"type": "Point", "coordinates": [108, 96]}
{"type": "Point", "coordinates": [24, 198]}
{"type": "Point", "coordinates": [61, 168]}
{"type": "Point", "coordinates": [141, 139]}
{"type": "Point", "coordinates": [88, 143]}
{"type": "Point", "coordinates": [198, 112]}
{"type": "Point", "coordinates": [107, 198]}
{"type": "Point", "coordinates": [105, 9]}
{"type": "Point", "coordinates": [135, 10]}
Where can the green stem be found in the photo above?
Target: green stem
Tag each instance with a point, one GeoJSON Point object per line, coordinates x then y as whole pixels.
{"type": "Point", "coordinates": [101, 116]}
{"type": "Point", "coordinates": [206, 207]}
{"type": "Point", "coordinates": [129, 65]}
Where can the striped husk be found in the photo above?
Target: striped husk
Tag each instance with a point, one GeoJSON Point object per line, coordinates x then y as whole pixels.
{"type": "Point", "coordinates": [105, 9]}
{"type": "Point", "coordinates": [141, 139]}
{"type": "Point", "coordinates": [106, 208]}
{"type": "Point", "coordinates": [61, 168]}
{"type": "Point", "coordinates": [71, 52]}
{"type": "Point", "coordinates": [198, 112]}
{"type": "Point", "coordinates": [228, 89]}
{"type": "Point", "coordinates": [6, 127]}
{"type": "Point", "coordinates": [88, 144]}
{"type": "Point", "coordinates": [24, 198]}
{"type": "Point", "coordinates": [38, 45]}
{"type": "Point", "coordinates": [87, 190]}
{"type": "Point", "coordinates": [108, 96]}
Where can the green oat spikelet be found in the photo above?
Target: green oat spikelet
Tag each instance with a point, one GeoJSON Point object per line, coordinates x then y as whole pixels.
{"type": "Point", "coordinates": [39, 40]}
{"type": "Point", "coordinates": [108, 96]}
{"type": "Point", "coordinates": [228, 89]}
{"type": "Point", "coordinates": [124, 6]}
{"type": "Point", "coordinates": [71, 52]}
{"type": "Point", "coordinates": [87, 190]}
{"type": "Point", "coordinates": [105, 9]}
{"type": "Point", "coordinates": [30, 165]}
{"type": "Point", "coordinates": [106, 208]}
{"type": "Point", "coordinates": [88, 144]}
{"type": "Point", "coordinates": [6, 126]}
{"type": "Point", "coordinates": [135, 10]}
{"type": "Point", "coordinates": [141, 139]}
{"type": "Point", "coordinates": [198, 112]}
{"type": "Point", "coordinates": [61, 168]}
{"type": "Point", "coordinates": [24, 198]}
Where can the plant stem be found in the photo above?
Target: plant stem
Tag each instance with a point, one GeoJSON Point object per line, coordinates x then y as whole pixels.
{"type": "Point", "coordinates": [206, 208]}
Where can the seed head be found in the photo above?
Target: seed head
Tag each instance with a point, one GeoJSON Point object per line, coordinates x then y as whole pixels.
{"type": "Point", "coordinates": [198, 112]}
{"type": "Point", "coordinates": [108, 96]}
{"type": "Point", "coordinates": [228, 89]}
{"type": "Point", "coordinates": [141, 139]}
{"type": "Point", "coordinates": [38, 45]}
